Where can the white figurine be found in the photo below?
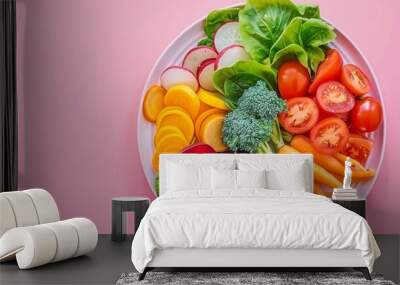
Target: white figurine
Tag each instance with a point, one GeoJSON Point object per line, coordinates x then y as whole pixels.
{"type": "Point", "coordinates": [347, 174]}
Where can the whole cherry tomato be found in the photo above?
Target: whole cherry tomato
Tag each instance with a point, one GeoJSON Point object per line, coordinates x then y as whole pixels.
{"type": "Point", "coordinates": [293, 80]}
{"type": "Point", "coordinates": [367, 114]}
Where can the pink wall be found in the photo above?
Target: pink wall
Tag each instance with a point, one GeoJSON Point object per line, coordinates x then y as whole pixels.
{"type": "Point", "coordinates": [81, 68]}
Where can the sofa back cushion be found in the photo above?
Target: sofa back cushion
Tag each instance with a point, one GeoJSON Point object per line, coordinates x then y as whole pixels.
{"type": "Point", "coordinates": [26, 208]}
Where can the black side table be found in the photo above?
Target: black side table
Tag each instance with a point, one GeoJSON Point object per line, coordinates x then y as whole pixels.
{"type": "Point", "coordinates": [357, 206]}
{"type": "Point", "coordinates": [120, 205]}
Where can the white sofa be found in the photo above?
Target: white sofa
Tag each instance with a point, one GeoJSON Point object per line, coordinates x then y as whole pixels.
{"type": "Point", "coordinates": [31, 231]}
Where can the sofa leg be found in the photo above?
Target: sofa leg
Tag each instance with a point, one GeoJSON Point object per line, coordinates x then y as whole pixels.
{"type": "Point", "coordinates": [143, 274]}
{"type": "Point", "coordinates": [365, 272]}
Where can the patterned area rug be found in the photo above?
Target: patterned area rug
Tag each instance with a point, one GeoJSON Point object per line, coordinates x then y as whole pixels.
{"type": "Point", "coordinates": [243, 278]}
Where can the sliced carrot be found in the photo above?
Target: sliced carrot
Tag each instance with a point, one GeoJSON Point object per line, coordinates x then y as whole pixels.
{"type": "Point", "coordinates": [153, 102]}
{"type": "Point", "coordinates": [178, 117]}
{"type": "Point", "coordinates": [359, 175]}
{"type": "Point", "coordinates": [194, 140]}
{"type": "Point", "coordinates": [200, 119]}
{"type": "Point", "coordinates": [183, 96]}
{"type": "Point", "coordinates": [368, 176]}
{"type": "Point", "coordinates": [213, 99]}
{"type": "Point", "coordinates": [211, 132]}
{"type": "Point", "coordinates": [171, 143]}
{"type": "Point", "coordinates": [166, 130]}
{"type": "Point", "coordinates": [330, 163]}
{"type": "Point", "coordinates": [341, 157]}
{"type": "Point", "coordinates": [287, 150]}
{"type": "Point", "coordinates": [359, 172]}
{"type": "Point", "coordinates": [155, 161]}
{"type": "Point", "coordinates": [321, 175]}
{"type": "Point", "coordinates": [203, 107]}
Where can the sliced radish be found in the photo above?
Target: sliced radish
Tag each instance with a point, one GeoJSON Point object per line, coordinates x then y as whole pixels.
{"type": "Point", "coordinates": [205, 74]}
{"type": "Point", "coordinates": [230, 55]}
{"type": "Point", "coordinates": [196, 56]}
{"type": "Point", "coordinates": [226, 35]}
{"type": "Point", "coordinates": [175, 75]}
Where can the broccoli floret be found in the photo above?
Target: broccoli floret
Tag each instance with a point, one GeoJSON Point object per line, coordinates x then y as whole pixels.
{"type": "Point", "coordinates": [243, 132]}
{"type": "Point", "coordinates": [253, 126]}
{"type": "Point", "coordinates": [261, 102]}
{"type": "Point", "coordinates": [286, 136]}
{"type": "Point", "coordinates": [276, 136]}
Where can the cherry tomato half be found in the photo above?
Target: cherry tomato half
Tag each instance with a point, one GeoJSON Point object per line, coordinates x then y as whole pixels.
{"type": "Point", "coordinates": [334, 98]}
{"type": "Point", "coordinates": [301, 116]}
{"type": "Point", "coordinates": [367, 114]}
{"type": "Point", "coordinates": [358, 148]}
{"type": "Point", "coordinates": [293, 80]}
{"type": "Point", "coordinates": [355, 80]}
{"type": "Point", "coordinates": [355, 131]}
{"type": "Point", "coordinates": [330, 135]}
{"type": "Point", "coordinates": [323, 115]}
{"type": "Point", "coordinates": [329, 69]}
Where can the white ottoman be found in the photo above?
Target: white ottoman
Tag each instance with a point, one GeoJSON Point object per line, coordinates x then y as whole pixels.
{"type": "Point", "coordinates": [31, 232]}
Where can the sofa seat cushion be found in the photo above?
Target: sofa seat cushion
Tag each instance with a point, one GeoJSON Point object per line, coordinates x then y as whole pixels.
{"type": "Point", "coordinates": [40, 244]}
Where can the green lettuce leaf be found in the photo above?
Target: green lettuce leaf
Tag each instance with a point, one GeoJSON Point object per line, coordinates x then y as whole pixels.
{"type": "Point", "coordinates": [205, 42]}
{"type": "Point", "coordinates": [302, 39]}
{"type": "Point", "coordinates": [260, 70]}
{"type": "Point", "coordinates": [263, 21]}
{"type": "Point", "coordinates": [290, 52]}
{"type": "Point", "coordinates": [217, 17]}
{"type": "Point", "coordinates": [315, 33]}
{"type": "Point", "coordinates": [308, 10]}
{"type": "Point", "coordinates": [236, 85]}
{"type": "Point", "coordinates": [291, 35]}
{"type": "Point", "coordinates": [234, 80]}
{"type": "Point", "coordinates": [315, 56]}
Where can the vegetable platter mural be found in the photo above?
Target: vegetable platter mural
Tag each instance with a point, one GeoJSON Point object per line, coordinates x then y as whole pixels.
{"type": "Point", "coordinates": [270, 76]}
